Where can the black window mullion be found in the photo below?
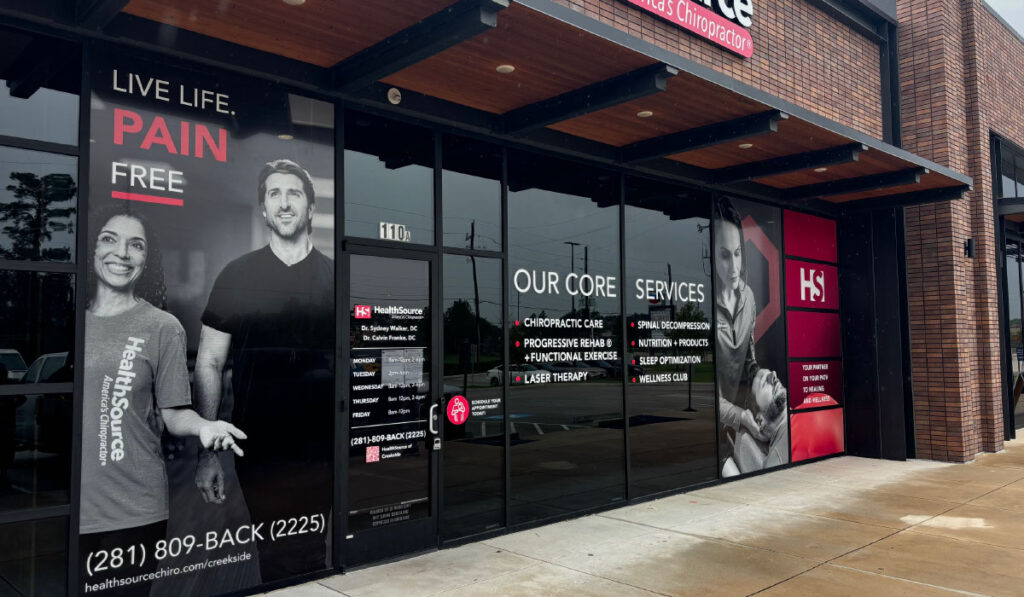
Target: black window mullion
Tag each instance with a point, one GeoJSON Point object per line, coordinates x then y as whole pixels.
{"type": "Point", "coordinates": [81, 300]}
{"type": "Point", "coordinates": [39, 267]}
{"type": "Point", "coordinates": [36, 388]}
{"type": "Point", "coordinates": [34, 145]}
{"type": "Point", "coordinates": [473, 252]}
{"type": "Point", "coordinates": [33, 514]}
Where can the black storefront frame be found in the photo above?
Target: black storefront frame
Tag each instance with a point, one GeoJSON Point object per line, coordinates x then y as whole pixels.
{"type": "Point", "coordinates": [1005, 231]}
{"type": "Point", "coordinates": [76, 267]}
{"type": "Point", "coordinates": [1014, 237]}
{"type": "Point", "coordinates": [344, 244]}
{"type": "Point", "coordinates": [354, 248]}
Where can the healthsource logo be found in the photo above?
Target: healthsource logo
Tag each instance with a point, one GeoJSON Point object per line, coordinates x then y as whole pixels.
{"type": "Point", "coordinates": [363, 312]}
{"type": "Point", "coordinates": [723, 22]}
{"type": "Point", "coordinates": [812, 284]}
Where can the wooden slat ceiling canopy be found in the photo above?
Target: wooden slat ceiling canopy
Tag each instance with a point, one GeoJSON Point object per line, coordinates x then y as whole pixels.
{"type": "Point", "coordinates": [320, 32]}
{"type": "Point", "coordinates": [553, 59]}
{"type": "Point", "coordinates": [550, 60]}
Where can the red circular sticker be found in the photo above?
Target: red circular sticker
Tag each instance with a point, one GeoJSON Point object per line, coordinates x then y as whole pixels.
{"type": "Point", "coordinates": [458, 410]}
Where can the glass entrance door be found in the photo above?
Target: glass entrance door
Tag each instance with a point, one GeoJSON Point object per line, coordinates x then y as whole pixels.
{"type": "Point", "coordinates": [392, 408]}
{"type": "Point", "coordinates": [1015, 348]}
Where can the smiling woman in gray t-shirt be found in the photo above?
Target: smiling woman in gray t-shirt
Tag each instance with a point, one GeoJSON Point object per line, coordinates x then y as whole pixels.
{"type": "Point", "coordinates": [136, 382]}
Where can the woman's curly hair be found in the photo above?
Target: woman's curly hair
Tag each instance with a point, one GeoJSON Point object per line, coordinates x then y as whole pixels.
{"type": "Point", "coordinates": [150, 286]}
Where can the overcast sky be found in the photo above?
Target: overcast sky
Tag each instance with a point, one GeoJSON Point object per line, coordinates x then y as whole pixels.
{"type": "Point", "coordinates": [1012, 11]}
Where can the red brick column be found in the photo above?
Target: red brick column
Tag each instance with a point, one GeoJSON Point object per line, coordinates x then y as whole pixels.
{"type": "Point", "coordinates": [987, 253]}
{"type": "Point", "coordinates": [953, 303]}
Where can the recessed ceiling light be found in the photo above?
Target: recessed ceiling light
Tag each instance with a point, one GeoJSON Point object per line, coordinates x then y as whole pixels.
{"type": "Point", "coordinates": [294, 2]}
{"type": "Point", "coordinates": [285, 137]}
{"type": "Point", "coordinates": [819, 170]}
{"type": "Point", "coordinates": [644, 114]}
{"type": "Point", "coordinates": [505, 68]}
{"type": "Point", "coordinates": [745, 145]}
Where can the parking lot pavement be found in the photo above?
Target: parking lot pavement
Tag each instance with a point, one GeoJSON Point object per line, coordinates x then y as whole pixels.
{"type": "Point", "coordinates": [843, 526]}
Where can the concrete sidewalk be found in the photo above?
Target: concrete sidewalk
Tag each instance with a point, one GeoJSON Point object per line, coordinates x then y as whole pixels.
{"type": "Point", "coordinates": [845, 526]}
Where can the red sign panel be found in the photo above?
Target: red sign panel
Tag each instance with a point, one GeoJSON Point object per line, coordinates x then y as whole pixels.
{"type": "Point", "coordinates": [812, 335]}
{"type": "Point", "coordinates": [816, 433]}
{"type": "Point", "coordinates": [812, 285]}
{"type": "Point", "coordinates": [363, 312]}
{"type": "Point", "coordinates": [701, 22]}
{"type": "Point", "coordinates": [814, 384]}
{"type": "Point", "coordinates": [810, 237]}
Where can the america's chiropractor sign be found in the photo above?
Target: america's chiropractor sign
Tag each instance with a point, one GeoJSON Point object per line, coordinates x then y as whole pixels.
{"type": "Point", "coordinates": [722, 22]}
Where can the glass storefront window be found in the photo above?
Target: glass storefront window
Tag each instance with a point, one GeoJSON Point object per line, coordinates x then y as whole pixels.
{"type": "Point", "coordinates": [1018, 176]}
{"type": "Point", "coordinates": [35, 557]}
{"type": "Point", "coordinates": [474, 450]}
{"type": "Point", "coordinates": [39, 82]}
{"type": "Point", "coordinates": [471, 194]}
{"type": "Point", "coordinates": [38, 205]}
{"type": "Point", "coordinates": [389, 173]}
{"type": "Point", "coordinates": [1013, 318]}
{"type": "Point", "coordinates": [47, 115]}
{"type": "Point", "coordinates": [565, 373]}
{"type": "Point", "coordinates": [39, 86]}
{"type": "Point", "coordinates": [670, 397]}
{"type": "Point", "coordinates": [35, 447]}
{"type": "Point", "coordinates": [1009, 187]}
{"type": "Point", "coordinates": [37, 318]}
{"type": "Point", "coordinates": [37, 322]}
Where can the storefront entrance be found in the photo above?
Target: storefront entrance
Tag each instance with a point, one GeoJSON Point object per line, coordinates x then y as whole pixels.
{"type": "Point", "coordinates": [1014, 342]}
{"type": "Point", "coordinates": [431, 312]}
{"type": "Point", "coordinates": [1008, 179]}
{"type": "Point", "coordinates": [394, 435]}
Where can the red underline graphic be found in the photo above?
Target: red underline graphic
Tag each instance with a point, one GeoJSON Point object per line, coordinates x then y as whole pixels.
{"type": "Point", "coordinates": [146, 198]}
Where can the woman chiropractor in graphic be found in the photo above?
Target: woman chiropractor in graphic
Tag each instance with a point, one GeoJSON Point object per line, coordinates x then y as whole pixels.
{"type": "Point", "coordinates": [740, 412]}
{"type": "Point", "coordinates": [136, 384]}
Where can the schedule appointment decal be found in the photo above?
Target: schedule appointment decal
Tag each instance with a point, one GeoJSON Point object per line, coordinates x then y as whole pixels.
{"type": "Point", "coordinates": [210, 306]}
{"type": "Point", "coordinates": [722, 22]}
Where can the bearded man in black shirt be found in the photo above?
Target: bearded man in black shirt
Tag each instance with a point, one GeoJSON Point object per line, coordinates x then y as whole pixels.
{"type": "Point", "coordinates": [270, 318]}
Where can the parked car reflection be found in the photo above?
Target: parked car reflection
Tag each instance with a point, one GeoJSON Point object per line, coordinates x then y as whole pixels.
{"type": "Point", "coordinates": [15, 364]}
{"type": "Point", "coordinates": [35, 435]}
{"type": "Point", "coordinates": [592, 372]}
{"type": "Point", "coordinates": [44, 368]}
{"type": "Point", "coordinates": [43, 421]}
{"type": "Point", "coordinates": [494, 375]}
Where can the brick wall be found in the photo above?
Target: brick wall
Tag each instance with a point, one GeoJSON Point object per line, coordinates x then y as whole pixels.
{"type": "Point", "coordinates": [800, 54]}
{"type": "Point", "coordinates": [957, 65]}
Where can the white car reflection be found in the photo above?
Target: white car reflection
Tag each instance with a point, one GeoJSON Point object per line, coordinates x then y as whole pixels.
{"type": "Point", "coordinates": [15, 364]}
{"type": "Point", "coordinates": [494, 375]}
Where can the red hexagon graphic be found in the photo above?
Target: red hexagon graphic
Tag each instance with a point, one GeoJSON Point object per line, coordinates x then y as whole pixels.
{"type": "Point", "coordinates": [773, 309]}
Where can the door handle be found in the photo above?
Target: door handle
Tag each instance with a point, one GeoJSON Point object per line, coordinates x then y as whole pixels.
{"type": "Point", "coordinates": [432, 419]}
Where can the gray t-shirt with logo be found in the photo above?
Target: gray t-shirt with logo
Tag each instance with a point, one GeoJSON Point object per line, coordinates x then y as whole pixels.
{"type": "Point", "coordinates": [134, 365]}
